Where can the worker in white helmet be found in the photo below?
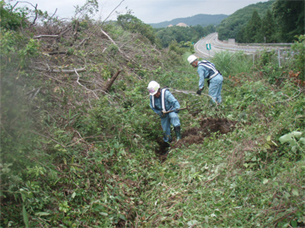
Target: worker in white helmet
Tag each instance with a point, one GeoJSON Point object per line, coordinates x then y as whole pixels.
{"type": "Point", "coordinates": [207, 70]}
{"type": "Point", "coordinates": [161, 101]}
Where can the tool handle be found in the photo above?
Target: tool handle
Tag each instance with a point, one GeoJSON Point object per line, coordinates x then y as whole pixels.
{"type": "Point", "coordinates": [174, 110]}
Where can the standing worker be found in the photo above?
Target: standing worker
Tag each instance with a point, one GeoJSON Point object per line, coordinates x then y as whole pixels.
{"type": "Point", "coordinates": [162, 101]}
{"type": "Point", "coordinates": [207, 70]}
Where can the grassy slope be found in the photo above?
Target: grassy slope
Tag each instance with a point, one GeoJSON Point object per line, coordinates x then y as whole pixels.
{"type": "Point", "coordinates": [93, 161]}
{"type": "Point", "coordinates": [236, 179]}
{"type": "Point", "coordinates": [245, 178]}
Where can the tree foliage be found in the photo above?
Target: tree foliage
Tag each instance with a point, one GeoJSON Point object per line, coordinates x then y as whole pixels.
{"type": "Point", "coordinates": [281, 22]}
{"type": "Point", "coordinates": [253, 29]}
{"type": "Point", "coordinates": [290, 17]}
{"type": "Point", "coordinates": [299, 48]}
{"type": "Point", "coordinates": [258, 30]}
{"type": "Point", "coordinates": [183, 34]}
{"type": "Point", "coordinates": [135, 25]}
{"type": "Point", "coordinates": [12, 19]}
{"type": "Point", "coordinates": [230, 27]}
{"type": "Point", "coordinates": [87, 10]}
{"type": "Point", "coordinates": [268, 30]}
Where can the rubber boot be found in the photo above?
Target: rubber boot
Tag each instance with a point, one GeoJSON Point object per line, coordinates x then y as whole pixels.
{"type": "Point", "coordinates": [178, 134]}
{"type": "Point", "coordinates": [167, 138]}
{"type": "Point", "coordinates": [166, 148]}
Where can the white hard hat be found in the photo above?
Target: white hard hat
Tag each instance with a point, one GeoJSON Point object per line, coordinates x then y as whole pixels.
{"type": "Point", "coordinates": [191, 59]}
{"type": "Point", "coordinates": [153, 87]}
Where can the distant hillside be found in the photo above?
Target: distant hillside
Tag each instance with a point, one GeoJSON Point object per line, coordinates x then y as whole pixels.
{"type": "Point", "coordinates": [230, 26]}
{"type": "Point", "coordinates": [199, 19]}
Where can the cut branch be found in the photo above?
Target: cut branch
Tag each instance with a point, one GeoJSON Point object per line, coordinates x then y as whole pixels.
{"type": "Point", "coordinates": [45, 36]}
{"type": "Point", "coordinates": [22, 2]}
{"type": "Point", "coordinates": [61, 71]}
{"type": "Point", "coordinates": [65, 31]}
{"type": "Point", "coordinates": [113, 10]}
{"type": "Point", "coordinates": [112, 41]}
{"type": "Point", "coordinates": [58, 53]}
{"type": "Point", "coordinates": [54, 13]}
{"type": "Point", "coordinates": [109, 84]}
{"type": "Point", "coordinates": [36, 15]}
{"type": "Point", "coordinates": [82, 42]}
{"type": "Point", "coordinates": [83, 85]}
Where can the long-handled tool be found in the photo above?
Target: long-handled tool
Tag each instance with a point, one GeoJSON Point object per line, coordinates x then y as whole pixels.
{"type": "Point", "coordinates": [188, 107]}
{"type": "Point", "coordinates": [174, 110]}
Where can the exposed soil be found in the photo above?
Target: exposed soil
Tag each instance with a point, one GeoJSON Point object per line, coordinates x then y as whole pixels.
{"type": "Point", "coordinates": [196, 135]}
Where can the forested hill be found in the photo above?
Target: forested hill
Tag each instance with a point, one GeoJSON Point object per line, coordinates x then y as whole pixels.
{"type": "Point", "coordinates": [199, 19]}
{"type": "Point", "coordinates": [270, 22]}
{"type": "Point", "coordinates": [230, 26]}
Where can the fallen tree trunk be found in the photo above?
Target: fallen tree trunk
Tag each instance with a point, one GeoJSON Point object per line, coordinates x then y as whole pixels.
{"type": "Point", "coordinates": [109, 84]}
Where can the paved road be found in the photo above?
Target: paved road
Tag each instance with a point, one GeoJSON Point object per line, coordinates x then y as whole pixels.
{"type": "Point", "coordinates": [218, 46]}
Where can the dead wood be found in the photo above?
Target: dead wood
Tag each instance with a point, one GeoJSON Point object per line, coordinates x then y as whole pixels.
{"type": "Point", "coordinates": [45, 36]}
{"type": "Point", "coordinates": [35, 7]}
{"type": "Point", "coordinates": [109, 84]}
{"type": "Point", "coordinates": [112, 41]}
{"type": "Point", "coordinates": [113, 11]}
{"type": "Point", "coordinates": [58, 53]}
{"type": "Point", "coordinates": [75, 70]}
{"type": "Point", "coordinates": [65, 31]}
{"type": "Point", "coordinates": [82, 42]}
{"type": "Point", "coordinates": [51, 70]}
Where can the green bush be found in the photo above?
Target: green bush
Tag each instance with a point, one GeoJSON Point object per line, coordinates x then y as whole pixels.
{"type": "Point", "coordinates": [12, 20]}
{"type": "Point", "coordinates": [299, 48]}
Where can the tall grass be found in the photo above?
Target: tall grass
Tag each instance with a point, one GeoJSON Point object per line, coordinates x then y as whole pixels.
{"type": "Point", "coordinates": [229, 63]}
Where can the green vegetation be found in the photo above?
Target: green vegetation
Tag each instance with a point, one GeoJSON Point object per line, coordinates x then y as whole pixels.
{"type": "Point", "coordinates": [78, 151]}
{"type": "Point", "coordinates": [183, 34]}
{"type": "Point", "coordinates": [11, 20]}
{"type": "Point", "coordinates": [164, 37]}
{"type": "Point", "coordinates": [134, 25]}
{"type": "Point", "coordinates": [230, 27]}
{"type": "Point", "coordinates": [290, 18]}
{"type": "Point", "coordinates": [272, 21]}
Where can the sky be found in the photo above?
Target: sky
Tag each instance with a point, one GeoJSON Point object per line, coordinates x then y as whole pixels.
{"type": "Point", "coordinates": [148, 11]}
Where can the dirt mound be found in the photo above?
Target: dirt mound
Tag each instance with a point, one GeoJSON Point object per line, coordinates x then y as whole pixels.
{"type": "Point", "coordinates": [196, 135]}
{"type": "Point", "coordinates": [214, 125]}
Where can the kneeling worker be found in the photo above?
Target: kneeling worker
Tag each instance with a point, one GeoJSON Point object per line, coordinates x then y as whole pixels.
{"type": "Point", "coordinates": [161, 101]}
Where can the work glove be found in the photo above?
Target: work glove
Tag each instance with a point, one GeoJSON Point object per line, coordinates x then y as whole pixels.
{"type": "Point", "coordinates": [199, 91]}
